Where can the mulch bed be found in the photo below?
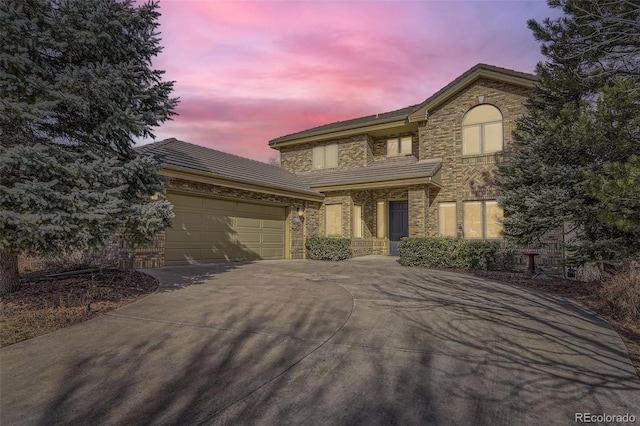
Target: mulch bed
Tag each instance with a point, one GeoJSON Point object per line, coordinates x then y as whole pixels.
{"type": "Point", "coordinates": [45, 303]}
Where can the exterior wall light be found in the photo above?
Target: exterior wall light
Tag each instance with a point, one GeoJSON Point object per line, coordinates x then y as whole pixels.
{"type": "Point", "coordinates": [297, 218]}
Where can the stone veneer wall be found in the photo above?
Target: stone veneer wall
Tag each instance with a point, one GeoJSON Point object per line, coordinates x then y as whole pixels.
{"type": "Point", "coordinates": [469, 177]}
{"type": "Point", "coordinates": [142, 257]}
{"type": "Point", "coordinates": [379, 146]}
{"type": "Point", "coordinates": [352, 152]}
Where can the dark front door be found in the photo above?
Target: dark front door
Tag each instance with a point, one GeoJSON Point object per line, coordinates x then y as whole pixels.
{"type": "Point", "coordinates": [398, 224]}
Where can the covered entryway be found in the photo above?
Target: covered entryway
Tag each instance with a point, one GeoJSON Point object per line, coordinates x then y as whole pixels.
{"type": "Point", "coordinates": [398, 224]}
{"type": "Point", "coordinates": [207, 229]}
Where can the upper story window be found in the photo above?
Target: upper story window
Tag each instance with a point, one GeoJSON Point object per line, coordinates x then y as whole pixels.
{"type": "Point", "coordinates": [399, 146]}
{"type": "Point", "coordinates": [482, 130]}
{"type": "Point", "coordinates": [325, 157]}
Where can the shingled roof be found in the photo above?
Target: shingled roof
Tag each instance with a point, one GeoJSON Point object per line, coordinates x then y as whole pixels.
{"type": "Point", "coordinates": [174, 152]}
{"type": "Point", "coordinates": [384, 171]}
{"type": "Point", "coordinates": [410, 113]}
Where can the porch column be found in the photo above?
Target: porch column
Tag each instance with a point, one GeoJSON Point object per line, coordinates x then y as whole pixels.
{"type": "Point", "coordinates": [418, 205]}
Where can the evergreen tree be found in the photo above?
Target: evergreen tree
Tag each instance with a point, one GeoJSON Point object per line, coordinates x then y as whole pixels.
{"type": "Point", "coordinates": [76, 88]}
{"type": "Point", "coordinates": [574, 152]}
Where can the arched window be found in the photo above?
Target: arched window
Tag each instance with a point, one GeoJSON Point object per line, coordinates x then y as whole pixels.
{"type": "Point", "coordinates": [482, 130]}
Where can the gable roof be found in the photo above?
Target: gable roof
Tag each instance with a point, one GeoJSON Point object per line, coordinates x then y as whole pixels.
{"type": "Point", "coordinates": [475, 73]}
{"type": "Point", "coordinates": [180, 155]}
{"type": "Point", "coordinates": [394, 173]}
{"type": "Point", "coordinates": [408, 115]}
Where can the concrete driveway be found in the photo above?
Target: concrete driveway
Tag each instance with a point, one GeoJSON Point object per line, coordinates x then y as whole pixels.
{"type": "Point", "coordinates": [364, 341]}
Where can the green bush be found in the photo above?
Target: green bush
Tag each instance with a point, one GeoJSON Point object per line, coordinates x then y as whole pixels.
{"type": "Point", "coordinates": [328, 248]}
{"type": "Point", "coordinates": [440, 252]}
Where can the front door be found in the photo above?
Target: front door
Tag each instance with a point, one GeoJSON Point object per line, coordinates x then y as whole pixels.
{"type": "Point", "coordinates": [398, 224]}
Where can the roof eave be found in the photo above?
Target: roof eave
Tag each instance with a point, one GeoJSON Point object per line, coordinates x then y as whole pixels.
{"type": "Point", "coordinates": [185, 173]}
{"type": "Point", "coordinates": [391, 183]}
{"type": "Point", "coordinates": [346, 131]}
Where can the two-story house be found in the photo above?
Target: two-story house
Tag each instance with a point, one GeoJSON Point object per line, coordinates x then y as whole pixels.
{"type": "Point", "coordinates": [424, 170]}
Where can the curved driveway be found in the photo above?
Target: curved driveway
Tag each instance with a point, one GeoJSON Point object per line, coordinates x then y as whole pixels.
{"type": "Point", "coordinates": [364, 341]}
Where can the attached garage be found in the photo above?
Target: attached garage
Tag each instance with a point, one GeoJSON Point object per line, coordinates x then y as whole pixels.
{"type": "Point", "coordinates": [207, 229]}
{"type": "Point", "coordinates": [226, 208]}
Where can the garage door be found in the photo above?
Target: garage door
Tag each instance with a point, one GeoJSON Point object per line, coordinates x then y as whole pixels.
{"type": "Point", "coordinates": [209, 230]}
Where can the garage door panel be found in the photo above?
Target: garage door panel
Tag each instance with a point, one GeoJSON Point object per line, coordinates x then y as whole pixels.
{"type": "Point", "coordinates": [209, 229]}
{"type": "Point", "coordinates": [249, 208]}
{"type": "Point", "coordinates": [272, 253]}
{"type": "Point", "coordinates": [273, 238]}
{"type": "Point", "coordinates": [186, 219]}
{"type": "Point", "coordinates": [245, 222]}
{"type": "Point", "coordinates": [182, 255]}
{"type": "Point", "coordinates": [248, 237]}
{"type": "Point", "coordinates": [185, 201]}
{"type": "Point", "coordinates": [237, 253]}
{"type": "Point", "coordinates": [260, 211]}
{"type": "Point", "coordinates": [210, 221]}
{"type": "Point", "coordinates": [225, 206]}
{"type": "Point", "coordinates": [277, 212]}
{"type": "Point", "coordinates": [183, 236]}
{"type": "Point", "coordinates": [221, 238]}
{"type": "Point", "coordinates": [273, 224]}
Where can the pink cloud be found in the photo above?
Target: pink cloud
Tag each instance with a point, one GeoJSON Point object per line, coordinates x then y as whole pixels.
{"type": "Point", "coordinates": [249, 71]}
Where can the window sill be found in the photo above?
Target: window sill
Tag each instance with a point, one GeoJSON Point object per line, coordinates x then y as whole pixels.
{"type": "Point", "coordinates": [489, 158]}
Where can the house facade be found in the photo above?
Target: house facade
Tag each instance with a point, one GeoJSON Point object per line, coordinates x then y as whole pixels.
{"type": "Point", "coordinates": [425, 170]}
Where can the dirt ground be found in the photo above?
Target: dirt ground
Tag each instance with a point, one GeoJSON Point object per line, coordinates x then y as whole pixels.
{"type": "Point", "coordinates": [45, 304]}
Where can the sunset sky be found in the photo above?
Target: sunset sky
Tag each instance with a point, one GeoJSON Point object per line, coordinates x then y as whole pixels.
{"type": "Point", "coordinates": [250, 71]}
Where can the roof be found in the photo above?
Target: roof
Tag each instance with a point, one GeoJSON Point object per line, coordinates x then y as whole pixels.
{"type": "Point", "coordinates": [416, 112]}
{"type": "Point", "coordinates": [384, 171]}
{"type": "Point", "coordinates": [476, 72]}
{"type": "Point", "coordinates": [174, 152]}
{"type": "Point", "coordinates": [386, 117]}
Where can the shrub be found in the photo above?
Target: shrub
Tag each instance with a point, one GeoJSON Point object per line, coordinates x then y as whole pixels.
{"type": "Point", "coordinates": [88, 259]}
{"type": "Point", "coordinates": [328, 248]}
{"type": "Point", "coordinates": [441, 252]}
{"type": "Point", "coordinates": [621, 293]}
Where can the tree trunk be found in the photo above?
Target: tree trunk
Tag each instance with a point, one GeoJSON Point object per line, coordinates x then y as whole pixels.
{"type": "Point", "coordinates": [9, 277]}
